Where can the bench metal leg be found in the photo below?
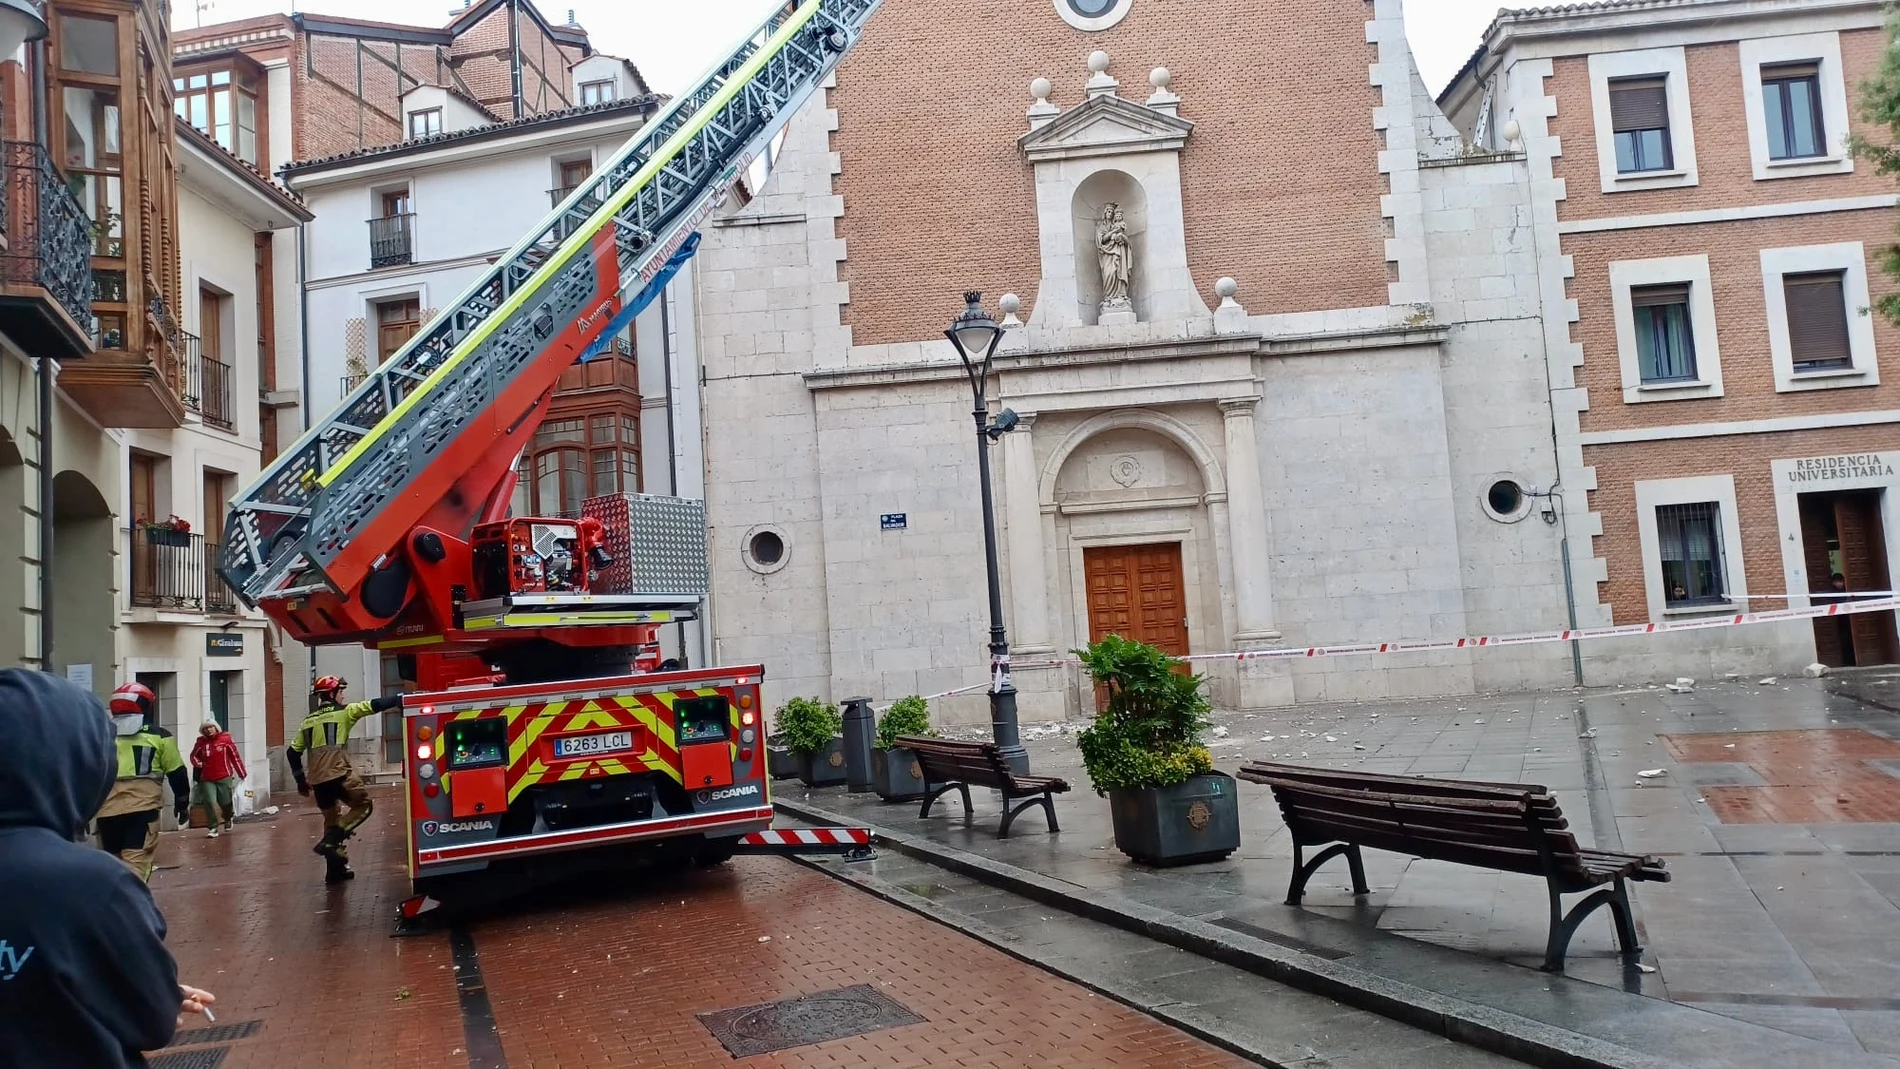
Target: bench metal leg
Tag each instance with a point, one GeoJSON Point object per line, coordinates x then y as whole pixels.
{"type": "Point", "coordinates": [1303, 870]}
{"type": "Point", "coordinates": [1045, 800]}
{"type": "Point", "coordinates": [931, 798]}
{"type": "Point", "coordinates": [1563, 927]}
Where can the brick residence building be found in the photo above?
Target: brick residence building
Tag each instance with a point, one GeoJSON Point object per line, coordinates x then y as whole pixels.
{"type": "Point", "coordinates": [1710, 255]}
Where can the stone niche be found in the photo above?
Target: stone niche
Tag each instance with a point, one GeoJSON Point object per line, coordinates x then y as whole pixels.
{"type": "Point", "coordinates": [1110, 151]}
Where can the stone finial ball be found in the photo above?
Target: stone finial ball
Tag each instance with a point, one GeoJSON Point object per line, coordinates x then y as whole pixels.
{"type": "Point", "coordinates": [1226, 288]}
{"type": "Point", "coordinates": [1160, 77]}
{"type": "Point", "coordinates": [1512, 132]}
{"type": "Point", "coordinates": [1098, 61]}
{"type": "Point", "coordinates": [1040, 89]}
{"type": "Point", "coordinates": [1010, 304]}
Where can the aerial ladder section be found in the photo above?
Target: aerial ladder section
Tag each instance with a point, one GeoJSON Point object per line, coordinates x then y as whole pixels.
{"type": "Point", "coordinates": [331, 538]}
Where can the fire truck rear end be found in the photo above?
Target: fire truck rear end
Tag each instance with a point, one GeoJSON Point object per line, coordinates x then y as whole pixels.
{"type": "Point", "coordinates": [669, 764]}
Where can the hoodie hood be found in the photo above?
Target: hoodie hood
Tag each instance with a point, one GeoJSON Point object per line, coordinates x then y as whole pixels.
{"type": "Point", "coordinates": [57, 757]}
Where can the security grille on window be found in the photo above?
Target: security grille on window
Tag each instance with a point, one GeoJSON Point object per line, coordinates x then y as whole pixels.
{"type": "Point", "coordinates": [1689, 537]}
{"type": "Point", "coordinates": [1665, 341]}
{"type": "Point", "coordinates": [1791, 104]}
{"type": "Point", "coordinates": [1639, 115]}
{"type": "Point", "coordinates": [1817, 321]}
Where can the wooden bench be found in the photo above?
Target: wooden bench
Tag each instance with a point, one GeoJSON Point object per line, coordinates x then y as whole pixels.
{"type": "Point", "coordinates": [958, 766]}
{"type": "Point", "coordinates": [1510, 827]}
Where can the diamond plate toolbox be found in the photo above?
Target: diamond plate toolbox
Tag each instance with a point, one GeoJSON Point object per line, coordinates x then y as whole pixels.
{"type": "Point", "coordinates": [658, 544]}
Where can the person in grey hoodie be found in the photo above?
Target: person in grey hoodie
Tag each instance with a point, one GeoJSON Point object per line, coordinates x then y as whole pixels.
{"type": "Point", "coordinates": [85, 979]}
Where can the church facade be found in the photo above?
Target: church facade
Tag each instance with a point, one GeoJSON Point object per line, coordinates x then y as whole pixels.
{"type": "Point", "coordinates": [1274, 338]}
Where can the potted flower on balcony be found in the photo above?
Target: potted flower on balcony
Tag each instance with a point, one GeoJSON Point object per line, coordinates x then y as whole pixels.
{"type": "Point", "coordinates": [171, 531]}
{"type": "Point", "coordinates": [1144, 753]}
{"type": "Point", "coordinates": [895, 772]}
{"type": "Point", "coordinates": [813, 732]}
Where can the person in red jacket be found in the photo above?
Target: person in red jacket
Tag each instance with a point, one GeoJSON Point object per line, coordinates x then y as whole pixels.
{"type": "Point", "coordinates": [217, 765]}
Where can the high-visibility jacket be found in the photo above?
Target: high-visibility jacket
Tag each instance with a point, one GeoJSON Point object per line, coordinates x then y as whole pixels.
{"type": "Point", "coordinates": [319, 749]}
{"type": "Point", "coordinates": [146, 760]}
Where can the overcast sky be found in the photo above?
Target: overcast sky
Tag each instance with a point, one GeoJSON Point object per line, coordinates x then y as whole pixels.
{"type": "Point", "coordinates": [674, 41]}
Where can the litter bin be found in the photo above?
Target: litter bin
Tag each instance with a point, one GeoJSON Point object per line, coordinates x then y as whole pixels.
{"type": "Point", "coordinates": [860, 730]}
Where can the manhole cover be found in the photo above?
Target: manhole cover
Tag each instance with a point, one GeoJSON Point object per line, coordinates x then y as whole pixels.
{"type": "Point", "coordinates": [209, 1058]}
{"type": "Point", "coordinates": [807, 1019]}
{"type": "Point", "coordinates": [217, 1033]}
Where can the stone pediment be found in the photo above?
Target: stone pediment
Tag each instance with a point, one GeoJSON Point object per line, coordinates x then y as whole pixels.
{"type": "Point", "coordinates": [1105, 126]}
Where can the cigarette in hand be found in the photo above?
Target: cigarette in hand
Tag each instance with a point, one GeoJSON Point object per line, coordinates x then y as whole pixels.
{"type": "Point", "coordinates": [209, 1016]}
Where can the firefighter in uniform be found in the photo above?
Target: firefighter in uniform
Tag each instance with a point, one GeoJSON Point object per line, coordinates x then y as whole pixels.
{"type": "Point", "coordinates": [322, 743]}
{"type": "Point", "coordinates": [148, 756]}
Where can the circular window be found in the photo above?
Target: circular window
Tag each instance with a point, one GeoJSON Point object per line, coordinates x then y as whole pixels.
{"type": "Point", "coordinates": [766, 550]}
{"type": "Point", "coordinates": [1092, 14]}
{"type": "Point", "coordinates": [1506, 500]}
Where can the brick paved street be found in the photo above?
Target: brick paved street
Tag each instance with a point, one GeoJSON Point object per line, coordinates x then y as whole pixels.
{"type": "Point", "coordinates": [612, 981]}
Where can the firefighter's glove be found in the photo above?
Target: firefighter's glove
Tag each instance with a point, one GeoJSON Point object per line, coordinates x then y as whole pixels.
{"type": "Point", "coordinates": [386, 703]}
{"type": "Point", "coordinates": [181, 809]}
{"type": "Point", "coordinates": [303, 786]}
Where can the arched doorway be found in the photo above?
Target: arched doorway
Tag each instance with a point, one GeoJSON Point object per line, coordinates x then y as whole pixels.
{"type": "Point", "coordinates": [85, 609]}
{"type": "Point", "coordinates": [15, 525]}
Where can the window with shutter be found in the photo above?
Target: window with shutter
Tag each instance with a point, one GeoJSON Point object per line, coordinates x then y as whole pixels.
{"type": "Point", "coordinates": [1665, 341]}
{"type": "Point", "coordinates": [1639, 116]}
{"type": "Point", "coordinates": [1817, 321]}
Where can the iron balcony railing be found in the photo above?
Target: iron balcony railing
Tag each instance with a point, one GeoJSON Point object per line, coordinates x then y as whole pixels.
{"type": "Point", "coordinates": [49, 237]}
{"type": "Point", "coordinates": [177, 571]}
{"type": "Point", "coordinates": [207, 384]}
{"type": "Point", "coordinates": [392, 240]}
{"type": "Point", "coordinates": [219, 598]}
{"type": "Point", "coordinates": [168, 569]}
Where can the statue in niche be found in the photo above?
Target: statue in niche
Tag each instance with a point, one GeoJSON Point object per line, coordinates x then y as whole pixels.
{"type": "Point", "coordinates": [1112, 255]}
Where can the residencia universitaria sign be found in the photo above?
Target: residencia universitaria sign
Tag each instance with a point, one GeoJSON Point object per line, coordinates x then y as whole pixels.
{"type": "Point", "coordinates": [1848, 466]}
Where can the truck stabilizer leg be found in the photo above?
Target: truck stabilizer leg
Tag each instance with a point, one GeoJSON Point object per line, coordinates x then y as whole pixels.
{"type": "Point", "coordinates": [853, 843]}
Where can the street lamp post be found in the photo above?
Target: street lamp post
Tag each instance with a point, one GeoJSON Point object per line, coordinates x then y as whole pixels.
{"type": "Point", "coordinates": [976, 337]}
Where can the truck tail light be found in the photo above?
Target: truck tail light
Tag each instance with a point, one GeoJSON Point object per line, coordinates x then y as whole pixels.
{"type": "Point", "coordinates": [424, 752]}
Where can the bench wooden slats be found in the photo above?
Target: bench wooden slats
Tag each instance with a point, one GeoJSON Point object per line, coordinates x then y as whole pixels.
{"type": "Point", "coordinates": [1510, 827]}
{"type": "Point", "coordinates": [948, 765]}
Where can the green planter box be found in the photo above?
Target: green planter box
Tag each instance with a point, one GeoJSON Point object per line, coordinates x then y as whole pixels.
{"type": "Point", "coordinates": [897, 776]}
{"type": "Point", "coordinates": [1194, 822]}
{"type": "Point", "coordinates": [824, 768]}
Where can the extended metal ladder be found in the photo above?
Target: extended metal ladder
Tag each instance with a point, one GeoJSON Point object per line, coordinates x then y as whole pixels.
{"type": "Point", "coordinates": [286, 528]}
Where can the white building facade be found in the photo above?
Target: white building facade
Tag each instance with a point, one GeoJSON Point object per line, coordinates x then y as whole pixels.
{"type": "Point", "coordinates": [401, 231]}
{"type": "Point", "coordinates": [182, 632]}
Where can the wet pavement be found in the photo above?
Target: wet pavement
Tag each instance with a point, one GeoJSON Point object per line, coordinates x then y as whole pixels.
{"type": "Point", "coordinates": [1777, 808]}
{"type": "Point", "coordinates": [618, 976]}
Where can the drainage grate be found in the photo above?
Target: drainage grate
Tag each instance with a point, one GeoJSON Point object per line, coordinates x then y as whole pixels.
{"type": "Point", "coordinates": [217, 1033]}
{"type": "Point", "coordinates": [208, 1058]}
{"type": "Point", "coordinates": [1279, 939]}
{"type": "Point", "coordinates": [807, 1019]}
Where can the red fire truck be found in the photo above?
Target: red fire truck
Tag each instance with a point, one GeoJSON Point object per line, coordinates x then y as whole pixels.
{"type": "Point", "coordinates": [544, 737]}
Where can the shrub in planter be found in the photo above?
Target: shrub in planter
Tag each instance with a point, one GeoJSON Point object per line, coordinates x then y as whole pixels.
{"type": "Point", "coordinates": [779, 761]}
{"type": "Point", "coordinates": [895, 773]}
{"type": "Point", "coordinates": [812, 732]}
{"type": "Point", "coordinates": [1144, 753]}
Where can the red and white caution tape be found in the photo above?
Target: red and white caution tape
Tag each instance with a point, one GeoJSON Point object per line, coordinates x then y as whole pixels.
{"type": "Point", "coordinates": [1886, 603]}
{"type": "Point", "coordinates": [808, 837]}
